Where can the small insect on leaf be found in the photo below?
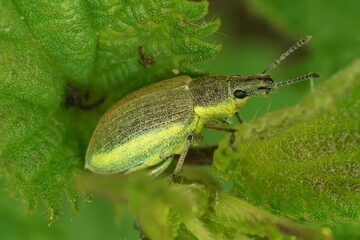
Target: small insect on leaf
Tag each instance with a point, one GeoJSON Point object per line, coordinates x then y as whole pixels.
{"type": "Point", "coordinates": [75, 98]}
{"type": "Point", "coordinates": [145, 59]}
{"type": "Point", "coordinates": [147, 128]}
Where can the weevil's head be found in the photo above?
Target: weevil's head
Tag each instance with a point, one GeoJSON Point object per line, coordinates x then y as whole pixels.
{"type": "Point", "coordinates": [259, 85]}
{"type": "Point", "coordinates": [219, 97]}
{"type": "Point", "coordinates": [242, 88]}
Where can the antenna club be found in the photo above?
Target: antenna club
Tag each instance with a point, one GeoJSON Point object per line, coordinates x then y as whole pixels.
{"type": "Point", "coordinates": [313, 75]}
{"type": "Point", "coordinates": [306, 38]}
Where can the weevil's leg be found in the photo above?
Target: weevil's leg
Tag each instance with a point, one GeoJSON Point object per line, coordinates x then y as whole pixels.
{"type": "Point", "coordinates": [152, 162]}
{"type": "Point", "coordinates": [232, 136]}
{"type": "Point", "coordinates": [182, 156]}
{"type": "Point", "coordinates": [238, 117]}
{"type": "Point", "coordinates": [158, 169]}
{"type": "Point", "coordinates": [219, 126]}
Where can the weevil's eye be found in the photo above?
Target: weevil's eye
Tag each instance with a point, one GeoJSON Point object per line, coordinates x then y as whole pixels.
{"type": "Point", "coordinates": [240, 94]}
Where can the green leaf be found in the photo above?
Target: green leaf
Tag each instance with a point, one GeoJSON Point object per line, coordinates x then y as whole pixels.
{"type": "Point", "coordinates": [193, 211]}
{"type": "Point", "coordinates": [159, 207]}
{"type": "Point", "coordinates": [93, 45]}
{"type": "Point", "coordinates": [302, 162]}
{"type": "Point", "coordinates": [347, 231]}
{"type": "Point", "coordinates": [236, 219]}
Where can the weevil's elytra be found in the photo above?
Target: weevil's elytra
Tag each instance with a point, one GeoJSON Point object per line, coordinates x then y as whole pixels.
{"type": "Point", "coordinates": [148, 127]}
{"type": "Point", "coordinates": [140, 124]}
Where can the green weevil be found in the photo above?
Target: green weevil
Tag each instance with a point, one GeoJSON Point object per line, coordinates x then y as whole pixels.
{"type": "Point", "coordinates": [147, 128]}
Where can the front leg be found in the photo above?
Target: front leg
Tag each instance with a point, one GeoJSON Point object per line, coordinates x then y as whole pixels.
{"type": "Point", "coordinates": [222, 126]}
{"type": "Point", "coordinates": [219, 126]}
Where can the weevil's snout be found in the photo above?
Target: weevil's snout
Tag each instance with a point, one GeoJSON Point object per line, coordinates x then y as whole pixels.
{"type": "Point", "coordinates": [262, 91]}
{"type": "Point", "coordinates": [257, 85]}
{"type": "Point", "coordinates": [265, 88]}
{"type": "Point", "coordinates": [261, 86]}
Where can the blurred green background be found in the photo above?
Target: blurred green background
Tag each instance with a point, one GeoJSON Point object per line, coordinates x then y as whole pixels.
{"type": "Point", "coordinates": [253, 34]}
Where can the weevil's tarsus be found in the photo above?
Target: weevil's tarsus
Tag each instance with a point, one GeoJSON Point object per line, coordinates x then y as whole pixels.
{"type": "Point", "coordinates": [295, 80]}
{"type": "Point", "coordinates": [297, 45]}
{"type": "Point", "coordinates": [182, 156]}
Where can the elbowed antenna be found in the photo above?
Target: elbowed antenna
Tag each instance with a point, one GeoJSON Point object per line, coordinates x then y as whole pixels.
{"type": "Point", "coordinates": [295, 80]}
{"type": "Point", "coordinates": [297, 45]}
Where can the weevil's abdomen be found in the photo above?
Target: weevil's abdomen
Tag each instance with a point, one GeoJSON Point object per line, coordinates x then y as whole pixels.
{"type": "Point", "coordinates": [152, 121]}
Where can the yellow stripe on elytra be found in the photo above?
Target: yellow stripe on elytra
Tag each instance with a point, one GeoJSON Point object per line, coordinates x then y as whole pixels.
{"type": "Point", "coordinates": [120, 155]}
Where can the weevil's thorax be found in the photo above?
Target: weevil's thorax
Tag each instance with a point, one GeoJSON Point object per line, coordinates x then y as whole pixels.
{"type": "Point", "coordinates": [211, 97]}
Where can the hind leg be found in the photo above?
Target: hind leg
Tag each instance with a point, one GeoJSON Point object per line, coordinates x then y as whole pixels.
{"type": "Point", "coordinates": [158, 169]}
{"type": "Point", "coordinates": [156, 165]}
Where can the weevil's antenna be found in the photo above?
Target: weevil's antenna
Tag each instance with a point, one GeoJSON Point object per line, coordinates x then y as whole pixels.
{"type": "Point", "coordinates": [298, 79]}
{"type": "Point", "coordinates": [297, 45]}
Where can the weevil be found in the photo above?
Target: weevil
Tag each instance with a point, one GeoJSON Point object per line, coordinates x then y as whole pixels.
{"type": "Point", "coordinates": [147, 128]}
